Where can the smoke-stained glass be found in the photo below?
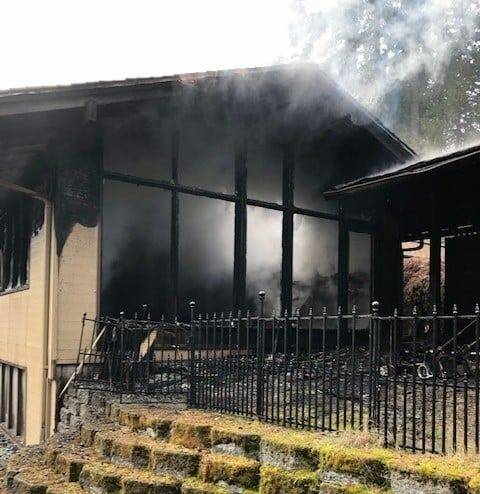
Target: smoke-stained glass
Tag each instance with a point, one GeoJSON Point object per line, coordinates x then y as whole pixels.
{"type": "Point", "coordinates": [315, 264]}
{"type": "Point", "coordinates": [135, 249]}
{"type": "Point", "coordinates": [264, 167]}
{"type": "Point", "coordinates": [206, 254]}
{"type": "Point", "coordinates": [140, 146]}
{"type": "Point", "coordinates": [264, 257]}
{"type": "Point", "coordinates": [359, 272]}
{"type": "Point", "coordinates": [207, 154]}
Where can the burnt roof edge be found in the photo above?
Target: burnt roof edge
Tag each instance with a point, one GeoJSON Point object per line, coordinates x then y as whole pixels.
{"type": "Point", "coordinates": [415, 169]}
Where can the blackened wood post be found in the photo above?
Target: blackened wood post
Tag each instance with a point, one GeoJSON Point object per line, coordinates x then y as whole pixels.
{"type": "Point", "coordinates": [435, 257]}
{"type": "Point", "coordinates": [240, 249]}
{"type": "Point", "coordinates": [287, 229]}
{"type": "Point", "coordinates": [174, 228]}
{"type": "Point", "coordinates": [343, 263]}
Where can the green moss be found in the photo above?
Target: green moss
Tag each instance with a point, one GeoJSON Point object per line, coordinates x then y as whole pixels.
{"type": "Point", "coordinates": [248, 442]}
{"type": "Point", "coordinates": [131, 451]}
{"type": "Point", "coordinates": [151, 484]}
{"type": "Point", "coordinates": [371, 465]}
{"type": "Point", "coordinates": [157, 426]}
{"type": "Point", "coordinates": [103, 443]}
{"type": "Point", "coordinates": [175, 460]}
{"type": "Point", "coordinates": [66, 488]}
{"type": "Point", "coordinates": [299, 451]}
{"type": "Point", "coordinates": [195, 436]}
{"type": "Point", "coordinates": [449, 470]}
{"type": "Point", "coordinates": [69, 466]}
{"type": "Point", "coordinates": [196, 486]}
{"type": "Point", "coordinates": [234, 470]}
{"type": "Point", "coordinates": [275, 480]}
{"type": "Point", "coordinates": [102, 476]}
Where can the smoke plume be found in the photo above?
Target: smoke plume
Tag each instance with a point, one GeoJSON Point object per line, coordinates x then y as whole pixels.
{"type": "Point", "coordinates": [374, 49]}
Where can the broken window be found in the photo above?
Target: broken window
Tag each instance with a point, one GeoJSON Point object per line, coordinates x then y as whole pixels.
{"type": "Point", "coordinates": [15, 233]}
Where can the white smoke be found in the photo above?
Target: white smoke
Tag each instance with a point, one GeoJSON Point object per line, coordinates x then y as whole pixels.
{"type": "Point", "coordinates": [371, 46]}
{"type": "Point", "coordinates": [374, 47]}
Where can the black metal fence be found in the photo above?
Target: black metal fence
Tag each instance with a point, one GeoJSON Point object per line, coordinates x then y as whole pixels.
{"type": "Point", "coordinates": [413, 378]}
{"type": "Point", "coordinates": [133, 356]}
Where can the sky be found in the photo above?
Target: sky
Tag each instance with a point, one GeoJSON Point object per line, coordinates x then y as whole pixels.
{"type": "Point", "coordinates": [52, 42]}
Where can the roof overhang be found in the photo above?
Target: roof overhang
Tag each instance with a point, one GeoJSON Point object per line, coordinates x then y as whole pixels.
{"type": "Point", "coordinates": [439, 164]}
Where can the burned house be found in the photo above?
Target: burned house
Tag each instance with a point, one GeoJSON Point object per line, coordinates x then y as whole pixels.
{"type": "Point", "coordinates": [147, 194]}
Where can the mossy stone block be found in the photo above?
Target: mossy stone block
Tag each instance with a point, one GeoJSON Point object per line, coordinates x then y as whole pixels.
{"type": "Point", "coordinates": [171, 460]}
{"type": "Point", "coordinates": [235, 442]}
{"type": "Point", "coordinates": [156, 427]}
{"type": "Point", "coordinates": [372, 466]}
{"type": "Point", "coordinates": [233, 470]}
{"type": "Point", "coordinates": [130, 452]}
{"type": "Point", "coordinates": [87, 434]}
{"type": "Point", "coordinates": [194, 436]}
{"type": "Point", "coordinates": [27, 483]}
{"type": "Point", "coordinates": [274, 480]}
{"type": "Point", "coordinates": [67, 488]}
{"type": "Point", "coordinates": [130, 418]}
{"type": "Point", "coordinates": [69, 466]}
{"type": "Point", "coordinates": [103, 443]}
{"type": "Point", "coordinates": [288, 451]}
{"type": "Point", "coordinates": [101, 478]}
{"type": "Point", "coordinates": [149, 484]}
{"type": "Point", "coordinates": [196, 486]}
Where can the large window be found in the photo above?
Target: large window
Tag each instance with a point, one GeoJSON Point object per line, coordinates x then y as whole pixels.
{"type": "Point", "coordinates": [205, 208]}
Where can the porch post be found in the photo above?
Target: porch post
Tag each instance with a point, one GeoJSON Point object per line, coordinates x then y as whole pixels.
{"type": "Point", "coordinates": [435, 256]}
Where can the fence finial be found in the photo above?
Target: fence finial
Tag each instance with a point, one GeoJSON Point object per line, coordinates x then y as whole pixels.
{"type": "Point", "coordinates": [434, 310]}
{"type": "Point", "coordinates": [414, 310]}
{"type": "Point", "coordinates": [261, 296]}
{"type": "Point", "coordinates": [375, 307]}
{"type": "Point", "coordinates": [354, 309]}
{"type": "Point", "coordinates": [324, 311]}
{"type": "Point", "coordinates": [455, 309]}
{"type": "Point", "coordinates": [477, 308]}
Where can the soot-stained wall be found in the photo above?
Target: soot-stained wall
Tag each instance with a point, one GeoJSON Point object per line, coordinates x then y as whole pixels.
{"type": "Point", "coordinates": [195, 184]}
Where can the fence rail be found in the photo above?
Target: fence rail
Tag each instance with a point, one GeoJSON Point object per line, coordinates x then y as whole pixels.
{"type": "Point", "coordinates": [413, 378]}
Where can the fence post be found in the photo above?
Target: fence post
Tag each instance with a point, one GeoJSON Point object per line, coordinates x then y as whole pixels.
{"type": "Point", "coordinates": [260, 356]}
{"type": "Point", "coordinates": [373, 371]}
{"type": "Point", "coordinates": [192, 395]}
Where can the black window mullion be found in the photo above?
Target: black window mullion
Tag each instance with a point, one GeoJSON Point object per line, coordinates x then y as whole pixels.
{"type": "Point", "coordinates": [287, 228]}
{"type": "Point", "coordinates": [240, 249]}
{"type": "Point", "coordinates": [174, 227]}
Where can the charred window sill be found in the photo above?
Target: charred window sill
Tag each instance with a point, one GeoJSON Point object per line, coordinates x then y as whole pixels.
{"type": "Point", "coordinates": [17, 289]}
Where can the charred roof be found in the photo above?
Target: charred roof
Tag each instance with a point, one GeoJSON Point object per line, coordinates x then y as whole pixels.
{"type": "Point", "coordinates": [435, 166]}
{"type": "Point", "coordinates": [40, 99]}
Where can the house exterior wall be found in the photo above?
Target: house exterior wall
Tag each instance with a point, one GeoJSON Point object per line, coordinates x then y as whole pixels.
{"type": "Point", "coordinates": [22, 334]}
{"type": "Point", "coordinates": [77, 289]}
